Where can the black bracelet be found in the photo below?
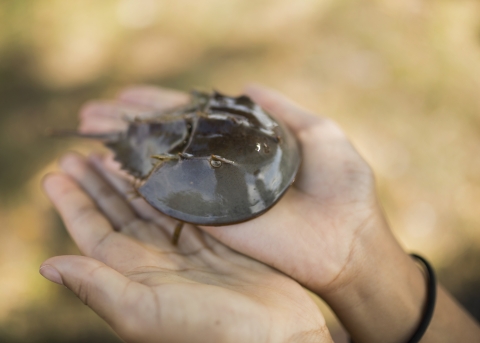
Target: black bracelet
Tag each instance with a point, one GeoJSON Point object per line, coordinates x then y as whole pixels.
{"type": "Point", "coordinates": [431, 299]}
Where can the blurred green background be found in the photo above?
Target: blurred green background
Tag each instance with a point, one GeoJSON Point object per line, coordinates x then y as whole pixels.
{"type": "Point", "coordinates": [401, 77]}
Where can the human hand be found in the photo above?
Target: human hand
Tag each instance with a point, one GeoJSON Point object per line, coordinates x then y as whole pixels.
{"type": "Point", "coordinates": [328, 232]}
{"type": "Point", "coordinates": [151, 291]}
{"type": "Point", "coordinates": [317, 222]}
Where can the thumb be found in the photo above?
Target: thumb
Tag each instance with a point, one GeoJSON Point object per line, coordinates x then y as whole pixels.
{"type": "Point", "coordinates": [97, 285]}
{"type": "Point", "coordinates": [279, 106]}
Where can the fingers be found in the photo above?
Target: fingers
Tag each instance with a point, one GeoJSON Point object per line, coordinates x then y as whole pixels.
{"type": "Point", "coordinates": [138, 101]}
{"type": "Point", "coordinates": [87, 226]}
{"type": "Point", "coordinates": [100, 287]}
{"type": "Point", "coordinates": [106, 116]}
{"type": "Point", "coordinates": [281, 107]}
{"type": "Point", "coordinates": [190, 239]}
{"type": "Point", "coordinates": [133, 102]}
{"type": "Point", "coordinates": [110, 170]}
{"type": "Point", "coordinates": [93, 233]}
{"type": "Point", "coordinates": [108, 200]}
{"type": "Point", "coordinates": [153, 97]}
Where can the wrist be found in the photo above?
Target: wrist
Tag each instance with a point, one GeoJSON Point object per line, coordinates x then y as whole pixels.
{"type": "Point", "coordinates": [381, 296]}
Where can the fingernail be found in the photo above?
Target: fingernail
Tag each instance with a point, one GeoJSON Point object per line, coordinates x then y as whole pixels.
{"type": "Point", "coordinates": [50, 273]}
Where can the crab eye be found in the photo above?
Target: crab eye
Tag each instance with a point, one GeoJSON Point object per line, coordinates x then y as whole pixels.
{"type": "Point", "coordinates": [258, 147]}
{"type": "Point", "coordinates": [215, 163]}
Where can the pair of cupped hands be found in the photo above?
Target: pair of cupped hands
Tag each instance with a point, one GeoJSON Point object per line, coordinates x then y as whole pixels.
{"type": "Point", "coordinates": [239, 283]}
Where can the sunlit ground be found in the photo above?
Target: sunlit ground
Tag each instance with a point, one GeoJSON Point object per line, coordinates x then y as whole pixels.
{"type": "Point", "coordinates": [402, 78]}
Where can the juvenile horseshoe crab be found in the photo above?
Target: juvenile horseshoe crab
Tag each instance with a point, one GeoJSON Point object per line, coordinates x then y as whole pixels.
{"type": "Point", "coordinates": [218, 160]}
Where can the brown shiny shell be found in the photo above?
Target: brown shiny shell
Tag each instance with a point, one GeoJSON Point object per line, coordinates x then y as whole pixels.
{"type": "Point", "coordinates": [219, 160]}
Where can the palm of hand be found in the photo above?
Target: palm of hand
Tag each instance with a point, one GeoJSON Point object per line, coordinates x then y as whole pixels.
{"type": "Point", "coordinates": [149, 290]}
{"type": "Point", "coordinates": [317, 222]}
{"type": "Point", "coordinates": [331, 201]}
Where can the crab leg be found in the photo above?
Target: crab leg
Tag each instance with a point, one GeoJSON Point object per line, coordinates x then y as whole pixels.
{"type": "Point", "coordinates": [176, 233]}
{"type": "Point", "coordinates": [165, 157]}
